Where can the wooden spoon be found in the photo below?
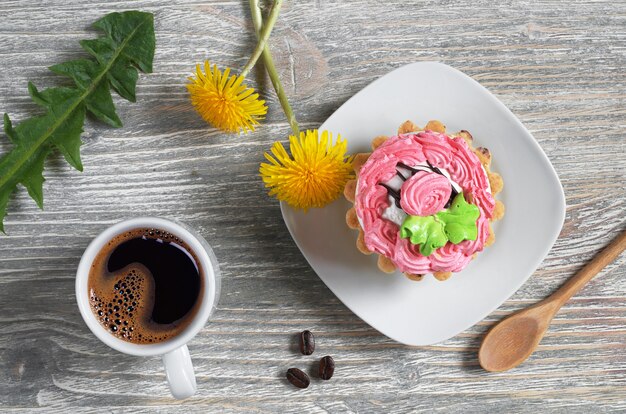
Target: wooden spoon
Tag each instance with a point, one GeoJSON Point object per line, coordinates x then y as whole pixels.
{"type": "Point", "coordinates": [513, 340]}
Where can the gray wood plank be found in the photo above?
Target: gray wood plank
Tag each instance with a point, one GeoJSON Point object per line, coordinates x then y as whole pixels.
{"type": "Point", "coordinates": [559, 66]}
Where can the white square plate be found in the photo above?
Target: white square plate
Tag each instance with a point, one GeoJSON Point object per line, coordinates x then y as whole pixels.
{"type": "Point", "coordinates": [427, 312]}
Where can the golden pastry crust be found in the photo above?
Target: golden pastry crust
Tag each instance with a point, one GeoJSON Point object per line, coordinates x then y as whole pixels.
{"type": "Point", "coordinates": [359, 160]}
{"type": "Point", "coordinates": [385, 264]}
{"type": "Point", "coordinates": [416, 278]}
{"type": "Point", "coordinates": [441, 276]}
{"type": "Point", "coordinates": [349, 191]}
{"type": "Point", "coordinates": [351, 219]}
{"type": "Point", "coordinates": [484, 155]}
{"type": "Point", "coordinates": [498, 211]}
{"type": "Point", "coordinates": [490, 239]}
{"type": "Point", "coordinates": [408, 126]}
{"type": "Point", "coordinates": [436, 126]}
{"type": "Point", "coordinates": [360, 243]}
{"type": "Point", "coordinates": [466, 136]}
{"type": "Point", "coordinates": [378, 141]}
{"type": "Point", "coordinates": [496, 183]}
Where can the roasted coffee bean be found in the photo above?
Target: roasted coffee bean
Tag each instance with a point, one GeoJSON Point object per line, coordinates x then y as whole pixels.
{"type": "Point", "coordinates": [327, 367]}
{"type": "Point", "coordinates": [307, 343]}
{"type": "Point", "coordinates": [298, 378]}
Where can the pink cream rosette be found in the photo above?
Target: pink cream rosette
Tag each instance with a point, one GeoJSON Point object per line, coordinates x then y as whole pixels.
{"type": "Point", "coordinates": [425, 193]}
{"type": "Point", "coordinates": [450, 258]}
{"type": "Point", "coordinates": [436, 148]}
{"type": "Point", "coordinates": [383, 237]}
{"type": "Point", "coordinates": [453, 155]}
{"type": "Point", "coordinates": [409, 255]}
{"type": "Point", "coordinates": [466, 167]}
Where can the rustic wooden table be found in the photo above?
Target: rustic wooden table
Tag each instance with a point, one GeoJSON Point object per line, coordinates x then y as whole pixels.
{"type": "Point", "coordinates": [558, 65]}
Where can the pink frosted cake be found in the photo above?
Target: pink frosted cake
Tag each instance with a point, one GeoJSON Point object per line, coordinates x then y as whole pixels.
{"type": "Point", "coordinates": [424, 201]}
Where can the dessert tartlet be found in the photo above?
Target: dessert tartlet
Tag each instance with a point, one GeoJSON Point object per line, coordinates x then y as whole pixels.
{"type": "Point", "coordinates": [424, 201]}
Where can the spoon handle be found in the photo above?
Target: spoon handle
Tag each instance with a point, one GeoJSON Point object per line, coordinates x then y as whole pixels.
{"type": "Point", "coordinates": [599, 262]}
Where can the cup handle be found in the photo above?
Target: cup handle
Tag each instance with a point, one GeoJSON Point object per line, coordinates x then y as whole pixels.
{"type": "Point", "coordinates": [179, 373]}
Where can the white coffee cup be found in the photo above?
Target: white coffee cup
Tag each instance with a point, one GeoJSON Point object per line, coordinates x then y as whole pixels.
{"type": "Point", "coordinates": [178, 368]}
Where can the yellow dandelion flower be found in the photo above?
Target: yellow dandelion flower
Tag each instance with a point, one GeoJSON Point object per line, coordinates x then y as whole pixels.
{"type": "Point", "coordinates": [313, 175]}
{"type": "Point", "coordinates": [225, 102]}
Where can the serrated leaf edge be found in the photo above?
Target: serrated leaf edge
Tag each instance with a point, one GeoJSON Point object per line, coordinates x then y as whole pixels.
{"type": "Point", "coordinates": [35, 189]}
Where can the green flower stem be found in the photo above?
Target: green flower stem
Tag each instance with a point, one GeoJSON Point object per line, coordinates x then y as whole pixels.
{"type": "Point", "coordinates": [263, 37]}
{"type": "Point", "coordinates": [257, 20]}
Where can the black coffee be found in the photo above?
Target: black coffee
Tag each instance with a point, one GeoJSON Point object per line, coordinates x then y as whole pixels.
{"type": "Point", "coordinates": [145, 286]}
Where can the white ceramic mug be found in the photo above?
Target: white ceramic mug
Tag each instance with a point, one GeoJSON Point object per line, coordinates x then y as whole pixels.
{"type": "Point", "coordinates": [178, 367]}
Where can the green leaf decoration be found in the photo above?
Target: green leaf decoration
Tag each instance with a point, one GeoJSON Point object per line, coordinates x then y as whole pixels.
{"type": "Point", "coordinates": [128, 43]}
{"type": "Point", "coordinates": [454, 224]}
{"type": "Point", "coordinates": [459, 220]}
{"type": "Point", "coordinates": [425, 231]}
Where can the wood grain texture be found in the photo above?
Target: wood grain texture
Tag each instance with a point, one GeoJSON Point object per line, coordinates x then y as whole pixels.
{"type": "Point", "coordinates": [558, 65]}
